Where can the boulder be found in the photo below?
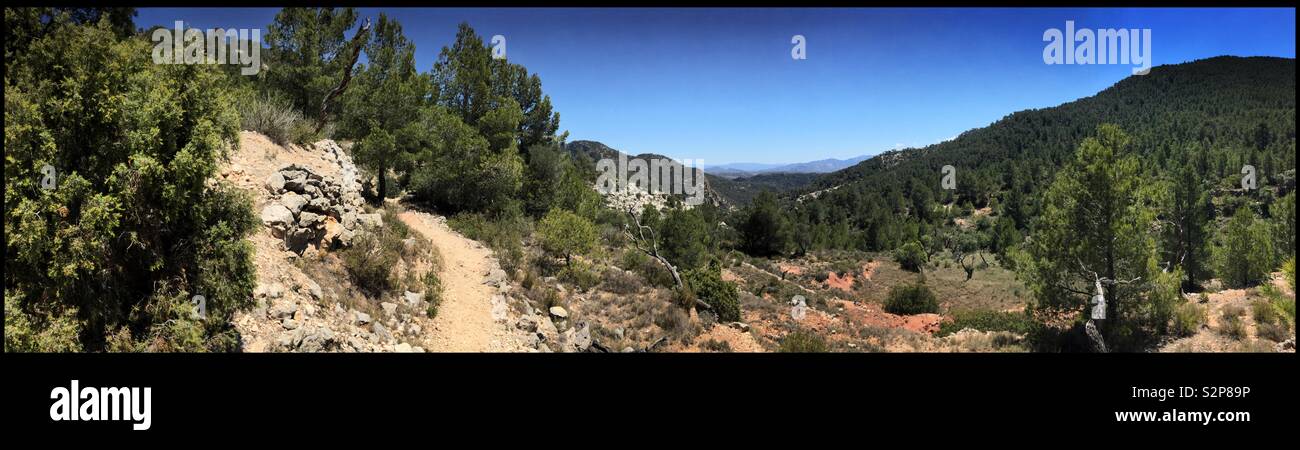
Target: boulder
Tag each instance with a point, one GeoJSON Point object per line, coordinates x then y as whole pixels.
{"type": "Point", "coordinates": [381, 332]}
{"type": "Point", "coordinates": [360, 318]}
{"type": "Point", "coordinates": [370, 221]}
{"type": "Point", "coordinates": [309, 219]}
{"type": "Point", "coordinates": [559, 312]}
{"type": "Point", "coordinates": [277, 216]}
{"type": "Point", "coordinates": [275, 183]}
{"type": "Point", "coordinates": [293, 201]}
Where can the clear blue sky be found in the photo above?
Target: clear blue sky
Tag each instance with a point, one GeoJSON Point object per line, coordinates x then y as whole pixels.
{"type": "Point", "coordinates": [719, 84]}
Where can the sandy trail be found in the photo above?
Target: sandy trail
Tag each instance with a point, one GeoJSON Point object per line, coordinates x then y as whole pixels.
{"type": "Point", "coordinates": [464, 322]}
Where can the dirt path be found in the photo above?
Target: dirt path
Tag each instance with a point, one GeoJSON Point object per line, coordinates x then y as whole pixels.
{"type": "Point", "coordinates": [464, 322]}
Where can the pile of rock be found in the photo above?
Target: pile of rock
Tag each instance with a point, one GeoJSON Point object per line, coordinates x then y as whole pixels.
{"type": "Point", "coordinates": [295, 322]}
{"type": "Point", "coordinates": [306, 207]}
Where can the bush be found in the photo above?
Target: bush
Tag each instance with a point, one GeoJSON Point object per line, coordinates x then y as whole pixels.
{"type": "Point", "coordinates": [1230, 323]}
{"type": "Point", "coordinates": [906, 299]}
{"type": "Point", "coordinates": [803, 342]}
{"type": "Point", "coordinates": [986, 320]}
{"type": "Point", "coordinates": [370, 264]}
{"type": "Point", "coordinates": [1245, 255]}
{"type": "Point", "coordinates": [1188, 318]}
{"type": "Point", "coordinates": [432, 292]}
{"type": "Point", "coordinates": [1288, 270]}
{"type": "Point", "coordinates": [720, 295]}
{"type": "Point", "coordinates": [581, 275]}
{"type": "Point", "coordinates": [373, 256]}
{"type": "Point", "coordinates": [564, 234]}
{"type": "Point", "coordinates": [1264, 312]}
{"type": "Point", "coordinates": [910, 256]}
{"type": "Point", "coordinates": [620, 282]}
{"type": "Point", "coordinates": [276, 118]}
{"type": "Point", "coordinates": [654, 272]}
{"type": "Point", "coordinates": [132, 223]}
{"type": "Point", "coordinates": [502, 235]}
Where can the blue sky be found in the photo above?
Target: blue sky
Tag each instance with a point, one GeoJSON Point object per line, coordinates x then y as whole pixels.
{"type": "Point", "coordinates": [720, 85]}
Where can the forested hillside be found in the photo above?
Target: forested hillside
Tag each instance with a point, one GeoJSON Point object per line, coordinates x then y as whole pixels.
{"type": "Point", "coordinates": [1215, 115]}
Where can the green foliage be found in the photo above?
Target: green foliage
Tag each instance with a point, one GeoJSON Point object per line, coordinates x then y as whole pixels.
{"type": "Point", "coordinates": [906, 299]}
{"type": "Point", "coordinates": [986, 320]}
{"type": "Point", "coordinates": [374, 255]}
{"type": "Point", "coordinates": [432, 292]}
{"type": "Point", "coordinates": [803, 341]}
{"type": "Point", "coordinates": [910, 256]}
{"type": "Point", "coordinates": [502, 235]}
{"type": "Point", "coordinates": [276, 118]}
{"type": "Point", "coordinates": [306, 52]}
{"type": "Point", "coordinates": [764, 231]}
{"type": "Point", "coordinates": [382, 107]}
{"type": "Point", "coordinates": [1288, 271]}
{"type": "Point", "coordinates": [1188, 318]}
{"type": "Point", "coordinates": [685, 239]}
{"type": "Point", "coordinates": [1189, 209]}
{"type": "Point", "coordinates": [1244, 255]}
{"type": "Point", "coordinates": [132, 229]}
{"type": "Point", "coordinates": [564, 234]}
{"type": "Point", "coordinates": [580, 274]}
{"type": "Point", "coordinates": [553, 180]}
{"type": "Point", "coordinates": [1095, 225]}
{"type": "Point", "coordinates": [1282, 212]}
{"type": "Point", "coordinates": [707, 284]}
{"type": "Point", "coordinates": [48, 332]}
{"type": "Point", "coordinates": [1204, 112]}
{"type": "Point", "coordinates": [1230, 323]}
{"type": "Point", "coordinates": [458, 171]}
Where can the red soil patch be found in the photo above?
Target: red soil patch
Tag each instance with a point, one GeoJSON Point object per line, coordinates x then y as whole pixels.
{"type": "Point", "coordinates": [834, 281]}
{"type": "Point", "coordinates": [790, 269]}
{"type": "Point", "coordinates": [873, 316]}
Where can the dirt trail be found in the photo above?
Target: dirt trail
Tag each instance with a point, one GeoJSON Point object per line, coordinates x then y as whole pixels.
{"type": "Point", "coordinates": [464, 322]}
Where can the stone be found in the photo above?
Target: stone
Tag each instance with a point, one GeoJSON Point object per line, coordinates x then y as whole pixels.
{"type": "Point", "coordinates": [309, 219]}
{"type": "Point", "coordinates": [313, 289]}
{"type": "Point", "coordinates": [744, 327]}
{"type": "Point", "coordinates": [275, 290]}
{"type": "Point", "coordinates": [577, 339]}
{"type": "Point", "coordinates": [320, 205]}
{"type": "Point", "coordinates": [297, 184]}
{"type": "Point", "coordinates": [293, 201]}
{"type": "Point", "coordinates": [360, 318]}
{"type": "Point", "coordinates": [559, 312]}
{"type": "Point", "coordinates": [402, 348]}
{"type": "Point", "coordinates": [413, 298]}
{"type": "Point", "coordinates": [350, 220]}
{"type": "Point", "coordinates": [372, 220]}
{"type": "Point", "coordinates": [281, 309]}
{"type": "Point", "coordinates": [275, 183]}
{"type": "Point", "coordinates": [277, 216]}
{"type": "Point", "coordinates": [495, 276]}
{"type": "Point", "coordinates": [629, 350]}
{"type": "Point", "coordinates": [526, 323]}
{"type": "Point", "coordinates": [381, 332]}
{"type": "Point", "coordinates": [389, 308]}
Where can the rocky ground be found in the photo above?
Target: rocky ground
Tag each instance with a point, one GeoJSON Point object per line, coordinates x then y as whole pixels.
{"type": "Point", "coordinates": [311, 206]}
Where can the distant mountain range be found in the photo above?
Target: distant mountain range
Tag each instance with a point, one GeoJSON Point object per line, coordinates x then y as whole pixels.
{"type": "Point", "coordinates": [738, 170]}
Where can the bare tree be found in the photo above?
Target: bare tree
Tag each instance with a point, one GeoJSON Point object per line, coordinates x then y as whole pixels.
{"type": "Point", "coordinates": [649, 245]}
{"type": "Point", "coordinates": [358, 41]}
